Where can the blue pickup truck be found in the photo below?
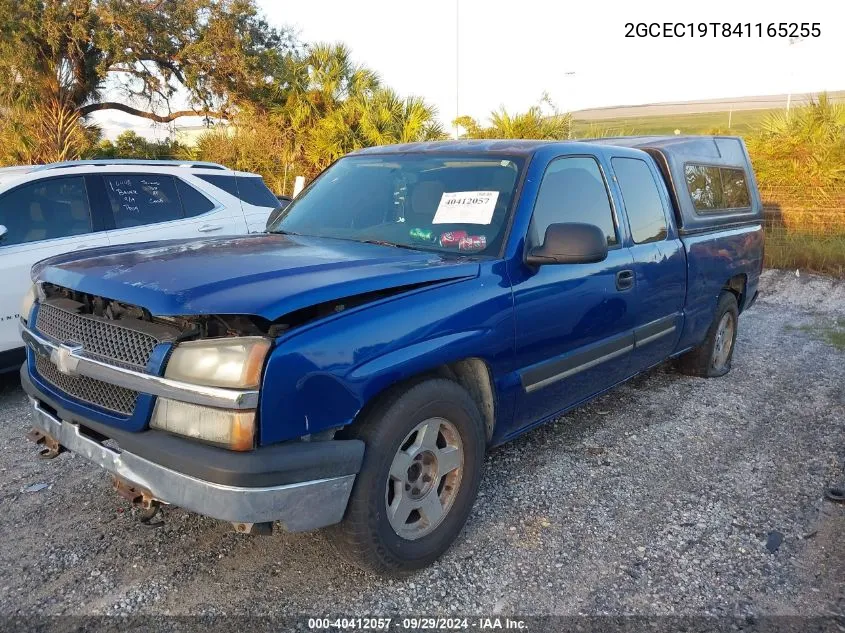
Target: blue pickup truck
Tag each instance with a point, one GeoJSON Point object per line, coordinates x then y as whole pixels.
{"type": "Point", "coordinates": [416, 305]}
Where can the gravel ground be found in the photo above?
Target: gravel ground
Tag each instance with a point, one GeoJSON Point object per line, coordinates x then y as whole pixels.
{"type": "Point", "coordinates": [670, 495]}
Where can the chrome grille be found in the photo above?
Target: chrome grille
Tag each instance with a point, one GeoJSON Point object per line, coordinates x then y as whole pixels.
{"type": "Point", "coordinates": [100, 339]}
{"type": "Point", "coordinates": [112, 342]}
{"type": "Point", "coordinates": [102, 394]}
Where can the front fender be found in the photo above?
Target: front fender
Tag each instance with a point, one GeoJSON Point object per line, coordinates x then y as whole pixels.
{"type": "Point", "coordinates": [321, 377]}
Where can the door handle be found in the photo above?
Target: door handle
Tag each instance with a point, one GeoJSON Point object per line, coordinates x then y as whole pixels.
{"type": "Point", "coordinates": [81, 246]}
{"type": "Point", "coordinates": [625, 280]}
{"type": "Point", "coordinates": [207, 228]}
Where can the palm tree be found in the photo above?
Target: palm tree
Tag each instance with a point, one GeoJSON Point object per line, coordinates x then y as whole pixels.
{"type": "Point", "coordinates": [330, 106]}
{"type": "Point", "coordinates": [379, 117]}
{"type": "Point", "coordinates": [805, 147]}
{"type": "Point", "coordinates": [531, 124]}
{"type": "Point", "coordinates": [324, 107]}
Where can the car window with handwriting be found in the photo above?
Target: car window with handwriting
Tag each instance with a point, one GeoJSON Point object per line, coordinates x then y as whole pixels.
{"type": "Point", "coordinates": [137, 200]}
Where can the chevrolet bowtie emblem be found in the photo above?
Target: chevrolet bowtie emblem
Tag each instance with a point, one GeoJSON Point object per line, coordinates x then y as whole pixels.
{"type": "Point", "coordinates": [64, 360]}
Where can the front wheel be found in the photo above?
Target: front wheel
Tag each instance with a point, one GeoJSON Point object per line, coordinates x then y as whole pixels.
{"type": "Point", "coordinates": [714, 356]}
{"type": "Point", "coordinates": [420, 475]}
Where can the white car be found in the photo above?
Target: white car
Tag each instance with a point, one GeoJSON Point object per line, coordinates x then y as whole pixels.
{"type": "Point", "coordinates": [51, 209]}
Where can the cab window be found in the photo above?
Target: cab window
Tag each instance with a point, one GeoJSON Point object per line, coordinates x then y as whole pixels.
{"type": "Point", "coordinates": [641, 197]}
{"type": "Point", "coordinates": [572, 190]}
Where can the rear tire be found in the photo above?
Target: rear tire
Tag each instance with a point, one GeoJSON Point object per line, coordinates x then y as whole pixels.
{"type": "Point", "coordinates": [422, 466]}
{"type": "Point", "coordinates": [714, 356]}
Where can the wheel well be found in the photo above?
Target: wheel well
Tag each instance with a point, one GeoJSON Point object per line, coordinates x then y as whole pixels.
{"type": "Point", "coordinates": [472, 374]}
{"type": "Point", "coordinates": [736, 285]}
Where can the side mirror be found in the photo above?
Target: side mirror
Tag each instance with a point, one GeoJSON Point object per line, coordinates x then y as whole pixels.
{"type": "Point", "coordinates": [569, 243]}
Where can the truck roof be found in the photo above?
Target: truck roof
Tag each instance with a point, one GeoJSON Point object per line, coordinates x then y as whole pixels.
{"type": "Point", "coordinates": [474, 146]}
{"type": "Point", "coordinates": [528, 146]}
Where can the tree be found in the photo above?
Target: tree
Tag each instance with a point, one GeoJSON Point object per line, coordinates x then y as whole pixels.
{"type": "Point", "coordinates": [325, 107]}
{"type": "Point", "coordinates": [51, 132]}
{"type": "Point", "coordinates": [331, 106]}
{"type": "Point", "coordinates": [218, 52]}
{"type": "Point", "coordinates": [130, 145]}
{"type": "Point", "coordinates": [531, 124]}
{"type": "Point", "coordinates": [254, 142]}
{"type": "Point", "coordinates": [380, 117]}
{"type": "Point", "coordinates": [67, 55]}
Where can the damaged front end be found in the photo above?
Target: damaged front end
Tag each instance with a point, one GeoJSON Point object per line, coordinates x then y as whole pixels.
{"type": "Point", "coordinates": [168, 405]}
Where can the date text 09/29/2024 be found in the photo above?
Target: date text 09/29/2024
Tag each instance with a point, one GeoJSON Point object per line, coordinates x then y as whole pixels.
{"type": "Point", "coordinates": [349, 368]}
{"type": "Point", "coordinates": [419, 623]}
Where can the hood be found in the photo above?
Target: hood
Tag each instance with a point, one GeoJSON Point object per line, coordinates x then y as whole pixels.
{"type": "Point", "coordinates": [263, 275]}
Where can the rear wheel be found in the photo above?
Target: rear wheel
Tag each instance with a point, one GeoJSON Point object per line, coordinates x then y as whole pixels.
{"type": "Point", "coordinates": [714, 356]}
{"type": "Point", "coordinates": [418, 481]}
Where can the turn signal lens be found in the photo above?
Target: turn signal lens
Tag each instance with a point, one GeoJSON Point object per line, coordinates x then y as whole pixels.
{"type": "Point", "coordinates": [234, 430]}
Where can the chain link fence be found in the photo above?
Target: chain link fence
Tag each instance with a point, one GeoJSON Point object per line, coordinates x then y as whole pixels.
{"type": "Point", "coordinates": [805, 228]}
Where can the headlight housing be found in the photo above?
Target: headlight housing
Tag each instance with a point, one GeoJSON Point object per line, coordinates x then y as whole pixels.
{"type": "Point", "coordinates": [235, 362]}
{"type": "Point", "coordinates": [28, 301]}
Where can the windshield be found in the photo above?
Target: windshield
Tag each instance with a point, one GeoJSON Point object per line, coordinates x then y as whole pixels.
{"type": "Point", "coordinates": [430, 202]}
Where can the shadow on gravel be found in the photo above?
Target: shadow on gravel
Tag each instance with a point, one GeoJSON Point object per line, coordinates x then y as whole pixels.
{"type": "Point", "coordinates": [10, 385]}
{"type": "Point", "coordinates": [565, 433]}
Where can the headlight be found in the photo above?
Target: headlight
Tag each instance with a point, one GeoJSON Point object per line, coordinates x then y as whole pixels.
{"type": "Point", "coordinates": [235, 363]}
{"type": "Point", "coordinates": [227, 362]}
{"type": "Point", "coordinates": [233, 429]}
{"type": "Point", "coordinates": [28, 301]}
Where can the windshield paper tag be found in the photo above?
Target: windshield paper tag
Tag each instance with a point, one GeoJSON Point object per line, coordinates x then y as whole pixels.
{"type": "Point", "coordinates": [466, 207]}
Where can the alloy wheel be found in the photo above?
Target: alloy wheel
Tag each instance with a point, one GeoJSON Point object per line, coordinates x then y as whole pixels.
{"type": "Point", "coordinates": [425, 477]}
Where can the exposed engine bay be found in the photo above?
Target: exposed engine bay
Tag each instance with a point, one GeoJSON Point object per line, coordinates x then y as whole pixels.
{"type": "Point", "coordinates": [184, 328]}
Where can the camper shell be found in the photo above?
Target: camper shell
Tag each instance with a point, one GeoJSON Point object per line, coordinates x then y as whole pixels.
{"type": "Point", "coordinates": [691, 165]}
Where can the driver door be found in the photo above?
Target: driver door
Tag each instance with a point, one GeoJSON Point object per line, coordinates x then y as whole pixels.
{"type": "Point", "coordinates": [573, 321]}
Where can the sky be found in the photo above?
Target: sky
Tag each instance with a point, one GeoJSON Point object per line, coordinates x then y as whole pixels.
{"type": "Point", "coordinates": [473, 56]}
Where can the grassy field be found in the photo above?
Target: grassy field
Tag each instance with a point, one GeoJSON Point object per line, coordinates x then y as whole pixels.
{"type": "Point", "coordinates": [823, 254]}
{"type": "Point", "coordinates": [742, 121]}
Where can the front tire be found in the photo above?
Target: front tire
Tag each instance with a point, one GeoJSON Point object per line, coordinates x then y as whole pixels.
{"type": "Point", "coordinates": [714, 356]}
{"type": "Point", "coordinates": [419, 478]}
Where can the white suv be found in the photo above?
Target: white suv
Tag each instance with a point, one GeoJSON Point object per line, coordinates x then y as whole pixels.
{"type": "Point", "coordinates": [50, 209]}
